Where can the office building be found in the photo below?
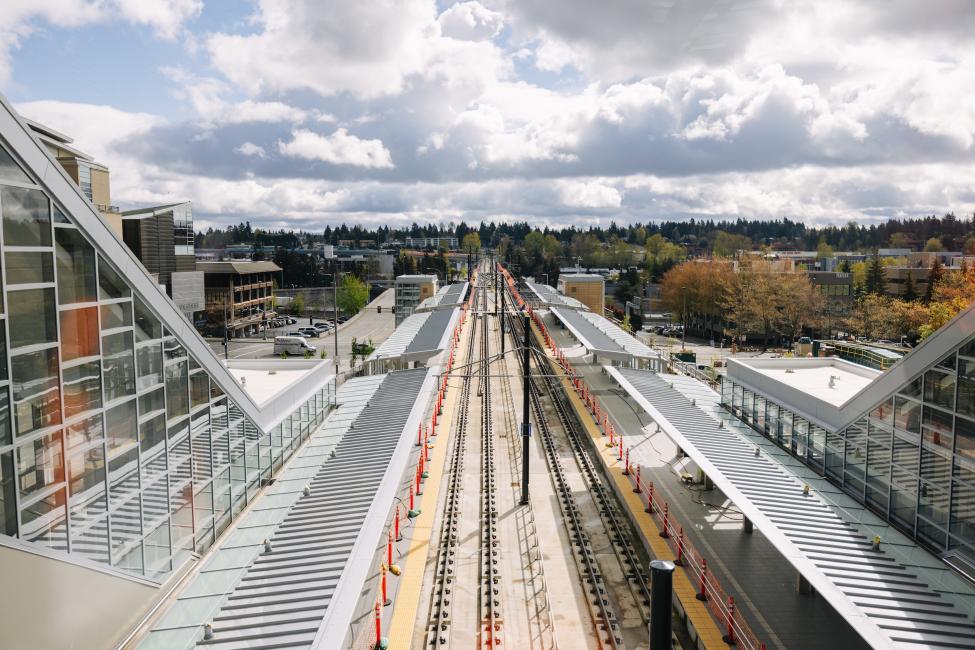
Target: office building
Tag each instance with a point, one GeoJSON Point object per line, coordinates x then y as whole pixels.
{"type": "Point", "coordinates": [126, 446]}
{"type": "Point", "coordinates": [450, 243]}
{"type": "Point", "coordinates": [411, 290]}
{"type": "Point", "coordinates": [587, 288]}
{"type": "Point", "coordinates": [239, 295]}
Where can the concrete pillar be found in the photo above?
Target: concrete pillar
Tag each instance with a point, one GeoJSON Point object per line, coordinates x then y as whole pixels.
{"type": "Point", "coordinates": [661, 597]}
{"type": "Point", "coordinates": [802, 585]}
{"type": "Point", "coordinates": [748, 525]}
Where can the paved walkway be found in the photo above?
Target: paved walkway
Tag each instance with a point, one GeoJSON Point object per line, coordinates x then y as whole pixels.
{"type": "Point", "coordinates": [746, 565]}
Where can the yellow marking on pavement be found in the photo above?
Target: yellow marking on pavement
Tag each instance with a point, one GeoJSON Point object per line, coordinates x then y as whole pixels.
{"type": "Point", "coordinates": [684, 587]}
{"type": "Point", "coordinates": [407, 600]}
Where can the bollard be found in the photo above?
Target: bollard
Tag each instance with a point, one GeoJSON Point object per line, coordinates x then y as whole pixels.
{"type": "Point", "coordinates": [381, 643]}
{"type": "Point", "coordinates": [665, 533]}
{"type": "Point", "coordinates": [702, 593]}
{"type": "Point", "coordinates": [626, 469]}
{"type": "Point", "coordinates": [729, 638]}
{"type": "Point", "coordinates": [680, 548]}
{"type": "Point", "coordinates": [650, 499]}
{"type": "Point", "coordinates": [419, 435]}
{"type": "Point", "coordinates": [661, 597]}
{"type": "Point", "coordinates": [399, 537]}
{"type": "Point", "coordinates": [637, 489]}
{"type": "Point", "coordinates": [620, 455]}
{"type": "Point", "coordinates": [389, 548]}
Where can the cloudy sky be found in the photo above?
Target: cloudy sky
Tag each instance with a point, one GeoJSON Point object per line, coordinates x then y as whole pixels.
{"type": "Point", "coordinates": [298, 113]}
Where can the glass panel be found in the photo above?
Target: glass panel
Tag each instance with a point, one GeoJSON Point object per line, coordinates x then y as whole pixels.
{"type": "Point", "coordinates": [45, 522]}
{"type": "Point", "coordinates": [153, 432]}
{"type": "Point", "coordinates": [173, 350]}
{"type": "Point", "coordinates": [86, 481]}
{"type": "Point", "coordinates": [79, 333]}
{"type": "Point", "coordinates": [109, 283]}
{"type": "Point", "coordinates": [199, 389]}
{"type": "Point", "coordinates": [938, 427]}
{"type": "Point", "coordinates": [907, 415]}
{"type": "Point", "coordinates": [884, 412]}
{"type": "Point", "coordinates": [40, 463]}
{"type": "Point", "coordinates": [10, 170]}
{"type": "Point", "coordinates": [33, 317]}
{"type": "Point", "coordinates": [8, 505]}
{"type": "Point", "coordinates": [122, 432]}
{"type": "Point", "coordinates": [59, 217]}
{"type": "Point", "coordinates": [119, 365]}
{"type": "Point", "coordinates": [84, 433]}
{"type": "Point", "coordinates": [152, 403]}
{"type": "Point", "coordinates": [965, 438]}
{"type": "Point", "coordinates": [29, 267]}
{"type": "Point", "coordinates": [37, 397]}
{"type": "Point", "coordinates": [126, 511]}
{"type": "Point", "coordinates": [147, 327]}
{"type": "Point", "coordinates": [5, 428]}
{"type": "Point", "coordinates": [177, 398]}
{"type": "Point", "coordinates": [149, 358]}
{"type": "Point", "coordinates": [26, 217]}
{"type": "Point", "coordinates": [966, 386]}
{"type": "Point", "coordinates": [939, 388]}
{"type": "Point", "coordinates": [76, 267]}
{"type": "Point", "coordinates": [117, 314]}
{"type": "Point", "coordinates": [82, 388]}
{"type": "Point", "coordinates": [962, 521]}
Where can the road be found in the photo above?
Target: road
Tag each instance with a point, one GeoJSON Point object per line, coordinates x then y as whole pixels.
{"type": "Point", "coordinates": [369, 324]}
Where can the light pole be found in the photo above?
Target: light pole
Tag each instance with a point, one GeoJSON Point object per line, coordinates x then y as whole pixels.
{"type": "Point", "coordinates": [335, 305]}
{"type": "Point", "coordinates": [683, 328]}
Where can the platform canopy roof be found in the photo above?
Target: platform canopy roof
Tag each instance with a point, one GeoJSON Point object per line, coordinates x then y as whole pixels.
{"type": "Point", "coordinates": [603, 337]}
{"type": "Point", "coordinates": [899, 596]}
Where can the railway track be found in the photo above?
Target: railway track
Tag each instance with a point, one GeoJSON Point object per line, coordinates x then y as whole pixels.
{"type": "Point", "coordinates": [603, 609]}
{"type": "Point", "coordinates": [492, 632]}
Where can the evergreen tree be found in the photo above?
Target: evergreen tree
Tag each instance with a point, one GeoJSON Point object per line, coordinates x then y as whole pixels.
{"type": "Point", "coordinates": [934, 277]}
{"type": "Point", "coordinates": [910, 292]}
{"type": "Point", "coordinates": [876, 282]}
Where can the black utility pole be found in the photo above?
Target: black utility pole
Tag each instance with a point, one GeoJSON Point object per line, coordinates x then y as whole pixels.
{"type": "Point", "coordinates": [526, 427]}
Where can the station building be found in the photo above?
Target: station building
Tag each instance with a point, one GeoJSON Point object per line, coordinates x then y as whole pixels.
{"type": "Point", "coordinates": [411, 290]}
{"type": "Point", "coordinates": [127, 447]}
{"type": "Point", "coordinates": [587, 288]}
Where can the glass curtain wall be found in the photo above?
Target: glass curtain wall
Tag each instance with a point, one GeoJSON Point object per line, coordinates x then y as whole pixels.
{"type": "Point", "coordinates": [115, 445]}
{"type": "Point", "coordinates": [911, 459]}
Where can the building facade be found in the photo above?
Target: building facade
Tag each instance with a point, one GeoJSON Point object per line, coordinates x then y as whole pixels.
{"type": "Point", "coordinates": [909, 456]}
{"type": "Point", "coordinates": [587, 288]}
{"type": "Point", "coordinates": [411, 290]}
{"type": "Point", "coordinates": [126, 446]}
{"type": "Point", "coordinates": [239, 295]}
{"type": "Point", "coordinates": [450, 243]}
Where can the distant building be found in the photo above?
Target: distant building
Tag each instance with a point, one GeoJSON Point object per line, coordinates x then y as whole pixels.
{"type": "Point", "coordinates": [243, 291]}
{"type": "Point", "coordinates": [587, 288]}
{"type": "Point", "coordinates": [432, 242]}
{"type": "Point", "coordinates": [92, 177]}
{"type": "Point", "coordinates": [411, 290]}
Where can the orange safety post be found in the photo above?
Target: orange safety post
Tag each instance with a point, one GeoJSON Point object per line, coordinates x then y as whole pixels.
{"type": "Point", "coordinates": [637, 489]}
{"type": "Point", "coordinates": [702, 593]}
{"type": "Point", "coordinates": [419, 435]}
{"type": "Point", "coordinates": [399, 537]}
{"type": "Point", "coordinates": [730, 637]}
{"type": "Point", "coordinates": [620, 455]}
{"type": "Point", "coordinates": [389, 549]}
{"type": "Point", "coordinates": [626, 469]}
{"type": "Point", "coordinates": [666, 533]}
{"type": "Point", "coordinates": [386, 601]}
{"type": "Point", "coordinates": [650, 499]}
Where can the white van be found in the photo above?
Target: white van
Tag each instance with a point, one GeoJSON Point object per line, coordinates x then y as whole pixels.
{"type": "Point", "coordinates": [292, 345]}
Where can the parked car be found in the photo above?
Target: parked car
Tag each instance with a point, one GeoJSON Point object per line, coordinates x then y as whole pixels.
{"type": "Point", "coordinates": [292, 345]}
{"type": "Point", "coordinates": [322, 327]}
{"type": "Point", "coordinates": [308, 332]}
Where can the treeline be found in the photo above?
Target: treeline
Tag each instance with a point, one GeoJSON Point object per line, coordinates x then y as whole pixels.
{"type": "Point", "coordinates": [953, 233]}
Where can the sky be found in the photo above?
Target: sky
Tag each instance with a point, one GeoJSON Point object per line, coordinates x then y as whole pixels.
{"type": "Point", "coordinates": [302, 113]}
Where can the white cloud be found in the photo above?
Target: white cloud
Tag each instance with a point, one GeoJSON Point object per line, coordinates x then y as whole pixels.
{"type": "Point", "coordinates": [583, 194]}
{"type": "Point", "coordinates": [251, 149]}
{"type": "Point", "coordinates": [339, 148]}
{"type": "Point", "coordinates": [470, 21]}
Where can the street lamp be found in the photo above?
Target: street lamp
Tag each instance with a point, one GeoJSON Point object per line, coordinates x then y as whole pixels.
{"type": "Point", "coordinates": [683, 328]}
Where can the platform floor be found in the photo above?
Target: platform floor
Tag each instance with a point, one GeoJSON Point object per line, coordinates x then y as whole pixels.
{"type": "Point", "coordinates": [747, 565]}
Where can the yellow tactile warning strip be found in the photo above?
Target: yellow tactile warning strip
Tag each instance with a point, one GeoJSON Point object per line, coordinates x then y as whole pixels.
{"type": "Point", "coordinates": [407, 600]}
{"type": "Point", "coordinates": [703, 623]}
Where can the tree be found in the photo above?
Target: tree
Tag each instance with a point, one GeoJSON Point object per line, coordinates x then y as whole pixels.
{"type": "Point", "coordinates": [900, 240]}
{"type": "Point", "coordinates": [910, 291]}
{"type": "Point", "coordinates": [844, 266]}
{"type": "Point", "coordinates": [875, 281]}
{"type": "Point", "coordinates": [352, 295]}
{"type": "Point", "coordinates": [298, 304]}
{"type": "Point", "coordinates": [471, 243]}
{"type": "Point", "coordinates": [934, 277]}
{"type": "Point", "coordinates": [933, 245]}
{"type": "Point", "coordinates": [728, 244]}
{"type": "Point", "coordinates": [801, 303]}
{"type": "Point", "coordinates": [823, 250]}
{"type": "Point", "coordinates": [969, 245]}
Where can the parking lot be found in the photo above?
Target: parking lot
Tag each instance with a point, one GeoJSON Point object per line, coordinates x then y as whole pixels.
{"type": "Point", "coordinates": [368, 324]}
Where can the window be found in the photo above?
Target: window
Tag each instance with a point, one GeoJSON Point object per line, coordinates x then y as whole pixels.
{"type": "Point", "coordinates": [907, 415]}
{"type": "Point", "coordinates": [84, 433]}
{"type": "Point", "coordinates": [8, 507]}
{"type": "Point", "coordinates": [153, 432]}
{"type": "Point", "coordinates": [82, 388]}
{"type": "Point", "coordinates": [939, 388]}
{"type": "Point", "coordinates": [33, 317]}
{"type": "Point", "coordinates": [117, 314]}
{"type": "Point", "coordinates": [937, 427]}
{"type": "Point", "coordinates": [36, 390]}
{"type": "Point", "coordinates": [199, 389]}
{"type": "Point", "coordinates": [79, 333]}
{"type": "Point", "coordinates": [84, 179]}
{"type": "Point", "coordinates": [45, 522]}
{"type": "Point", "coordinates": [121, 427]}
{"type": "Point", "coordinates": [177, 398]}
{"type": "Point", "coordinates": [152, 402]}
{"type": "Point", "coordinates": [109, 283]}
{"type": "Point", "coordinates": [10, 170]}
{"type": "Point", "coordinates": [118, 365]}
{"type": "Point", "coordinates": [147, 326]}
{"type": "Point", "coordinates": [29, 267]}
{"type": "Point", "coordinates": [40, 463]}
{"type": "Point", "coordinates": [966, 386]}
{"type": "Point", "coordinates": [149, 359]}
{"type": "Point", "coordinates": [26, 217]}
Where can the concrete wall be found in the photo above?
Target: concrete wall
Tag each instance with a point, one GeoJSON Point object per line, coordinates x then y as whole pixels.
{"type": "Point", "coordinates": [100, 191]}
{"type": "Point", "coordinates": [590, 293]}
{"type": "Point", "coordinates": [48, 603]}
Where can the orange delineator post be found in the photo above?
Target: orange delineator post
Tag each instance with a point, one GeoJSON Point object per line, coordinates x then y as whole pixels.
{"type": "Point", "coordinates": [398, 537]}
{"type": "Point", "coordinates": [389, 549]}
{"type": "Point", "coordinates": [702, 593]}
{"type": "Point", "coordinates": [637, 489]}
{"type": "Point", "coordinates": [379, 628]}
{"type": "Point", "coordinates": [664, 532]}
{"type": "Point", "coordinates": [386, 601]}
{"type": "Point", "coordinates": [730, 638]}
